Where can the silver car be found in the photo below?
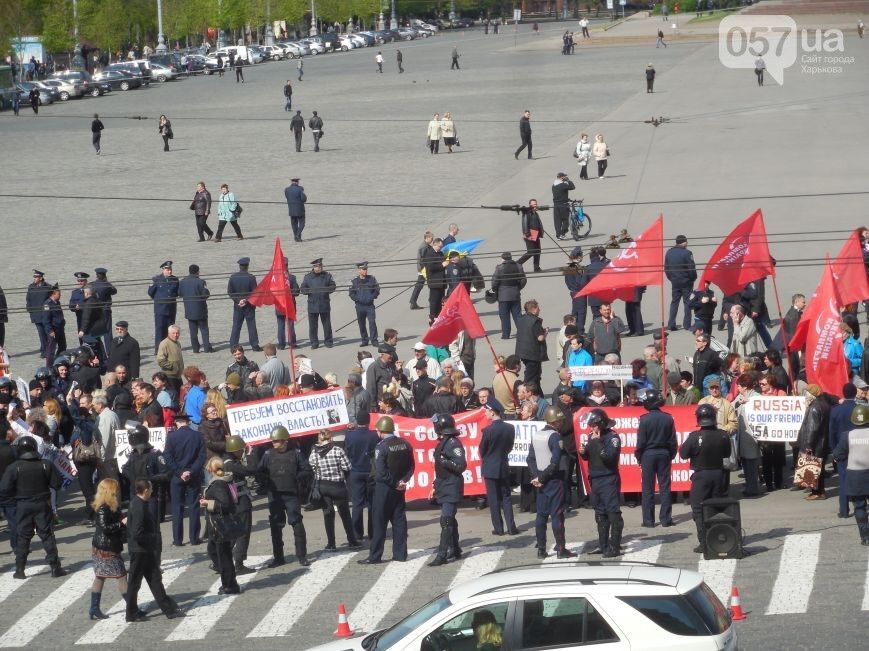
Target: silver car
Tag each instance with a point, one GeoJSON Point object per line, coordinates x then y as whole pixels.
{"type": "Point", "coordinates": [65, 88]}
{"type": "Point", "coordinates": [162, 73]}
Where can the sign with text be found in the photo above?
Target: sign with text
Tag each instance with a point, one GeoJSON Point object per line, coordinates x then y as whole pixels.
{"type": "Point", "coordinates": [774, 418]}
{"type": "Point", "coordinates": [303, 414]}
{"type": "Point", "coordinates": [603, 372]}
{"type": "Point", "coordinates": [525, 429]}
{"type": "Point", "coordinates": [156, 436]}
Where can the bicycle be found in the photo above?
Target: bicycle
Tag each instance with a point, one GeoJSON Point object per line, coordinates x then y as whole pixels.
{"type": "Point", "coordinates": [580, 220]}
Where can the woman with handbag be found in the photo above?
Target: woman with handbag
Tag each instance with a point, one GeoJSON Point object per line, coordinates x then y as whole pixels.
{"type": "Point", "coordinates": [601, 154]}
{"type": "Point", "coordinates": [87, 453]}
{"type": "Point", "coordinates": [107, 544]}
{"type": "Point", "coordinates": [448, 130]}
{"type": "Point", "coordinates": [220, 502]}
{"type": "Point", "coordinates": [228, 211]}
{"type": "Point", "coordinates": [331, 465]}
{"type": "Point", "coordinates": [164, 128]}
{"type": "Point", "coordinates": [583, 155]}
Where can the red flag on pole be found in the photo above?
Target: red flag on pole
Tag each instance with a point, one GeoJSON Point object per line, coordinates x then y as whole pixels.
{"type": "Point", "coordinates": [636, 266]}
{"type": "Point", "coordinates": [849, 271]}
{"type": "Point", "coordinates": [274, 288]}
{"type": "Point", "coordinates": [457, 314]}
{"type": "Point", "coordinates": [741, 258]}
{"type": "Point", "coordinates": [821, 332]}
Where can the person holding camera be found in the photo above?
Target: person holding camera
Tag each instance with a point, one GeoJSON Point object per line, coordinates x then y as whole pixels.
{"type": "Point", "coordinates": [561, 188]}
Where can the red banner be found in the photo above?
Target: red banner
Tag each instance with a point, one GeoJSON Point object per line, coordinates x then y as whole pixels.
{"type": "Point", "coordinates": [420, 433]}
{"type": "Point", "coordinates": [627, 422]}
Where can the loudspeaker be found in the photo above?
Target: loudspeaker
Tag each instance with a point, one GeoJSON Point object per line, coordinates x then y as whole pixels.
{"type": "Point", "coordinates": [722, 528]}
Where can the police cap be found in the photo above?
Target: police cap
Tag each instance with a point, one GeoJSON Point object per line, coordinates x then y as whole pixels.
{"type": "Point", "coordinates": [122, 324]}
{"type": "Point", "coordinates": [317, 262]}
{"type": "Point", "coordinates": [362, 265]}
{"type": "Point", "coordinates": [243, 262]}
{"type": "Point", "coordinates": [101, 271]}
{"type": "Point", "coordinates": [166, 265]}
{"type": "Point", "coordinates": [81, 275]}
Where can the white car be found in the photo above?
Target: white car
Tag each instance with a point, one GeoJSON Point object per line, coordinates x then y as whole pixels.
{"type": "Point", "coordinates": [565, 606]}
{"type": "Point", "coordinates": [358, 40]}
{"type": "Point", "coordinates": [65, 88]}
{"type": "Point", "coordinates": [162, 73]}
{"type": "Point", "coordinates": [423, 25]}
{"type": "Point", "coordinates": [316, 47]}
{"type": "Point", "coordinates": [274, 52]}
{"type": "Point", "coordinates": [347, 43]}
{"type": "Point", "coordinates": [295, 49]}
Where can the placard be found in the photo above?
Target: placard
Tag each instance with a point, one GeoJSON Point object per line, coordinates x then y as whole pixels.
{"type": "Point", "coordinates": [156, 437]}
{"type": "Point", "coordinates": [603, 372]}
{"type": "Point", "coordinates": [774, 418]}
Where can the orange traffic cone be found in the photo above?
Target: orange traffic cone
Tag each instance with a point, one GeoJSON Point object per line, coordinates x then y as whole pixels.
{"type": "Point", "coordinates": [736, 613]}
{"type": "Point", "coordinates": [343, 629]}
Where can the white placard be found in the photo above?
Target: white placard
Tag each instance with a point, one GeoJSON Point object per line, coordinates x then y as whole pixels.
{"type": "Point", "coordinates": [524, 430]}
{"type": "Point", "coordinates": [774, 418]}
{"type": "Point", "coordinates": [602, 372]}
{"type": "Point", "coordinates": [156, 436]}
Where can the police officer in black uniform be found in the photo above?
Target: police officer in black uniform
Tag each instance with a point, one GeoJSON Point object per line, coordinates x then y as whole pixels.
{"type": "Point", "coordinates": [241, 284]}
{"type": "Point", "coordinates": [53, 325]}
{"type": "Point", "coordinates": [364, 290]}
{"type": "Point", "coordinates": [145, 462]}
{"type": "Point", "coordinates": [37, 292]}
{"type": "Point", "coordinates": [194, 292]}
{"type": "Point", "coordinates": [602, 453]}
{"type": "Point", "coordinates": [163, 290]}
{"type": "Point", "coordinates": [449, 484]}
{"type": "Point", "coordinates": [706, 448]}
{"type": "Point", "coordinates": [104, 290]}
{"type": "Point", "coordinates": [359, 444]}
{"type": "Point", "coordinates": [853, 451]}
{"type": "Point", "coordinates": [317, 285]}
{"type": "Point", "coordinates": [240, 461]}
{"type": "Point", "coordinates": [393, 468]}
{"type": "Point", "coordinates": [544, 463]}
{"type": "Point", "coordinates": [76, 297]}
{"type": "Point", "coordinates": [656, 448]}
{"type": "Point", "coordinates": [283, 326]}
{"type": "Point", "coordinates": [283, 469]}
{"type": "Point", "coordinates": [496, 444]}
{"type": "Point", "coordinates": [29, 482]}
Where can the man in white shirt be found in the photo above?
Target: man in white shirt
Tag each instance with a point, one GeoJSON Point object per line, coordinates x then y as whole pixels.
{"type": "Point", "coordinates": [419, 352]}
{"type": "Point", "coordinates": [107, 423]}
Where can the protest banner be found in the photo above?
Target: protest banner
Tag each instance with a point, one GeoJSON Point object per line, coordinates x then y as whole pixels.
{"type": "Point", "coordinates": [156, 437]}
{"type": "Point", "coordinates": [774, 418]}
{"type": "Point", "coordinates": [60, 459]}
{"type": "Point", "coordinates": [302, 414]}
{"type": "Point", "coordinates": [525, 429]}
{"type": "Point", "coordinates": [627, 422]}
{"type": "Point", "coordinates": [623, 372]}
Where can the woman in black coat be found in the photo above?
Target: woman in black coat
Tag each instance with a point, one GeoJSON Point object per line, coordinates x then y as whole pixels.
{"type": "Point", "coordinates": [220, 501]}
{"type": "Point", "coordinates": [108, 543]}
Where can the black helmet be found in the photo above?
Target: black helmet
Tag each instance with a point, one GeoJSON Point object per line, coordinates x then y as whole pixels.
{"type": "Point", "coordinates": [6, 381]}
{"type": "Point", "coordinates": [653, 399]}
{"type": "Point", "coordinates": [43, 373]}
{"type": "Point", "coordinates": [137, 433]}
{"type": "Point", "coordinates": [28, 448]}
{"type": "Point", "coordinates": [444, 425]}
{"type": "Point", "coordinates": [706, 416]}
{"type": "Point", "coordinates": [599, 417]}
{"type": "Point", "coordinates": [63, 360]}
{"type": "Point", "coordinates": [84, 354]}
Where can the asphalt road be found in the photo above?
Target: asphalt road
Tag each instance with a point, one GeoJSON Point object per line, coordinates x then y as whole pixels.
{"type": "Point", "coordinates": [805, 585]}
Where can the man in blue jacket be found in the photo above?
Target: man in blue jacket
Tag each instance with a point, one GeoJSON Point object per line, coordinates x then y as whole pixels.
{"type": "Point", "coordinates": [681, 272]}
{"type": "Point", "coordinates": [359, 444]}
{"type": "Point", "coordinates": [656, 448]}
{"type": "Point", "coordinates": [840, 425]}
{"type": "Point", "coordinates": [364, 290]}
{"type": "Point", "coordinates": [241, 285]}
{"type": "Point", "coordinates": [163, 290]}
{"type": "Point", "coordinates": [185, 456]}
{"type": "Point", "coordinates": [495, 446]}
{"type": "Point", "coordinates": [296, 199]}
{"type": "Point", "coordinates": [853, 452]}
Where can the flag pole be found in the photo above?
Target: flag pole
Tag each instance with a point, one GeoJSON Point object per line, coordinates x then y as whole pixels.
{"type": "Point", "coordinates": [664, 382]}
{"type": "Point", "coordinates": [503, 375]}
{"type": "Point", "coordinates": [784, 336]}
{"type": "Point", "coordinates": [292, 348]}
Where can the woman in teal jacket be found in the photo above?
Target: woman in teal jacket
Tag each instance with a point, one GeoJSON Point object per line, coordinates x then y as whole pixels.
{"type": "Point", "coordinates": [228, 211]}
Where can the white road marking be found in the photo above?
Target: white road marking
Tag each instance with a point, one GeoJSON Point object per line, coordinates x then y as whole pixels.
{"type": "Point", "coordinates": [8, 585]}
{"type": "Point", "coordinates": [479, 562]}
{"type": "Point", "coordinates": [387, 591]}
{"type": "Point", "coordinates": [718, 575]}
{"type": "Point", "coordinates": [796, 574]}
{"type": "Point", "coordinates": [644, 550]}
{"type": "Point", "coordinates": [866, 591]}
{"type": "Point", "coordinates": [106, 631]}
{"type": "Point", "coordinates": [295, 602]}
{"type": "Point", "coordinates": [210, 607]}
{"type": "Point", "coordinates": [577, 548]}
{"type": "Point", "coordinates": [50, 609]}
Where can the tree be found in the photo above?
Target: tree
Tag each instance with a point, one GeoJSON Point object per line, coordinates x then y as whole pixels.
{"type": "Point", "coordinates": [57, 26]}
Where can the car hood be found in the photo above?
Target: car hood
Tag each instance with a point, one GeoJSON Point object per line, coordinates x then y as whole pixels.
{"type": "Point", "coordinates": [351, 644]}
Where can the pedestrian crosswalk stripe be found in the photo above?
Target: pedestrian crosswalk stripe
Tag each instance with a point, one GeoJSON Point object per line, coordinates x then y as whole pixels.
{"type": "Point", "coordinates": [106, 631]}
{"type": "Point", "coordinates": [40, 617]}
{"type": "Point", "coordinates": [866, 590]}
{"type": "Point", "coordinates": [480, 561]}
{"type": "Point", "coordinates": [577, 548]}
{"type": "Point", "coordinates": [718, 575]}
{"type": "Point", "coordinates": [300, 595]}
{"type": "Point", "coordinates": [796, 574]}
{"type": "Point", "coordinates": [645, 550]}
{"type": "Point", "coordinates": [387, 591]}
{"type": "Point", "coordinates": [8, 585]}
{"type": "Point", "coordinates": [210, 607]}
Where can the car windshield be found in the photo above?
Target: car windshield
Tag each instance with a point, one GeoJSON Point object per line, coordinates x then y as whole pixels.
{"type": "Point", "coordinates": [388, 638]}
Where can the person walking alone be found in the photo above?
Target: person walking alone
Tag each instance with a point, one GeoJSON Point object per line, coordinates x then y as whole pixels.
{"type": "Point", "coordinates": [164, 128]}
{"type": "Point", "coordinates": [525, 134]}
{"type": "Point", "coordinates": [239, 73]}
{"type": "Point", "coordinates": [316, 126]}
{"type": "Point", "coordinates": [455, 55]}
{"type": "Point", "coordinates": [301, 68]}
{"type": "Point", "coordinates": [399, 58]}
{"type": "Point", "coordinates": [96, 132]}
{"type": "Point", "coordinates": [378, 59]}
{"type": "Point", "coordinates": [296, 198]}
{"type": "Point", "coordinates": [759, 67]}
{"type": "Point", "coordinates": [650, 78]}
{"type": "Point", "coordinates": [660, 40]}
{"type": "Point", "coordinates": [288, 95]}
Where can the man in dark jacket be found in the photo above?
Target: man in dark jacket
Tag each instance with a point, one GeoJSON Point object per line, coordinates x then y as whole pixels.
{"type": "Point", "coordinates": [93, 324]}
{"type": "Point", "coordinates": [54, 325]}
{"type": "Point", "coordinates": [508, 281]}
{"type": "Point", "coordinates": [852, 452]}
{"type": "Point", "coordinates": [296, 199]}
{"type": "Point", "coordinates": [364, 290]}
{"type": "Point", "coordinates": [359, 444]}
{"type": "Point", "coordinates": [76, 298]}
{"type": "Point", "coordinates": [531, 342]}
{"type": "Point", "coordinates": [125, 350]}
{"type": "Point", "coordinates": [597, 261]}
{"type": "Point", "coordinates": [561, 188]}
{"type": "Point", "coordinates": [840, 425]}
{"type": "Point", "coordinates": [37, 292]}
{"type": "Point", "coordinates": [706, 360]}
{"type": "Point", "coordinates": [495, 446]}
{"type": "Point", "coordinates": [380, 372]}
{"type": "Point", "coordinates": [194, 293]}
{"type": "Point", "coordinates": [789, 326]}
{"type": "Point", "coordinates": [297, 126]}
{"type": "Point", "coordinates": [163, 290]}
{"type": "Point", "coordinates": [317, 285]}
{"type": "Point", "coordinates": [758, 310]}
{"type": "Point", "coordinates": [201, 207]}
{"type": "Point", "coordinates": [703, 303]}
{"type": "Point", "coordinates": [241, 284]}
{"type": "Point", "coordinates": [442, 401]}
{"type": "Point", "coordinates": [813, 437]}
{"type": "Point", "coordinates": [185, 456]}
{"type": "Point", "coordinates": [449, 483]}
{"type": "Point", "coordinates": [532, 233]}
{"type": "Point", "coordinates": [104, 290]}
{"type": "Point", "coordinates": [245, 368]}
{"type": "Point", "coordinates": [434, 264]}
{"type": "Point", "coordinates": [681, 272]}
{"type": "Point", "coordinates": [422, 388]}
{"type": "Point", "coordinates": [524, 134]}
{"type": "Point", "coordinates": [421, 254]}
{"type": "Point", "coordinates": [316, 126]}
{"type": "Point", "coordinates": [656, 448]}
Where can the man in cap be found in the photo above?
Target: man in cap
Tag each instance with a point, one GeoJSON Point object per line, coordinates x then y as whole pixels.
{"type": "Point", "coordinates": [241, 284]}
{"type": "Point", "coordinates": [163, 290]}
{"type": "Point", "coordinates": [453, 271]}
{"type": "Point", "coordinates": [656, 448]}
{"type": "Point", "coordinates": [317, 285]}
{"type": "Point", "coordinates": [37, 292]}
{"type": "Point", "coordinates": [601, 450]}
{"type": "Point", "coordinates": [508, 281]}
{"type": "Point", "coordinates": [364, 290]}
{"type": "Point", "coordinates": [104, 290]}
{"type": "Point", "coordinates": [393, 468]}
{"type": "Point", "coordinates": [561, 188]}
{"type": "Point", "coordinates": [495, 447]}
{"type": "Point", "coordinates": [296, 199]}
{"type": "Point", "coordinates": [193, 291]}
{"type": "Point", "coordinates": [93, 323]}
{"type": "Point", "coordinates": [380, 372]}
{"type": "Point", "coordinates": [359, 444]}
{"type": "Point", "coordinates": [449, 483]}
{"type": "Point", "coordinates": [125, 350]}
{"type": "Point", "coordinates": [53, 325]}
{"type": "Point", "coordinates": [185, 457]}
{"type": "Point", "coordinates": [76, 297]}
{"type": "Point", "coordinates": [420, 352]}
{"type": "Point", "coordinates": [283, 324]}
{"type": "Point", "coordinates": [422, 388]}
{"type": "Point", "coordinates": [297, 126]}
{"type": "Point", "coordinates": [681, 272]}
{"type": "Point", "coordinates": [852, 452]}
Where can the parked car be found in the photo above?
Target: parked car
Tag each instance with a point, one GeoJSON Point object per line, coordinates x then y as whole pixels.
{"type": "Point", "coordinates": [406, 33]}
{"type": "Point", "coordinates": [463, 22]}
{"type": "Point", "coordinates": [315, 46]}
{"type": "Point", "coordinates": [369, 37]}
{"type": "Point", "coordinates": [297, 47]}
{"type": "Point", "coordinates": [66, 89]}
{"type": "Point", "coordinates": [275, 52]}
{"type": "Point", "coordinates": [130, 70]}
{"type": "Point", "coordinates": [358, 41]}
{"type": "Point", "coordinates": [196, 62]}
{"type": "Point", "coordinates": [162, 73]}
{"type": "Point", "coordinates": [99, 88]}
{"type": "Point", "coordinates": [257, 54]}
{"type": "Point", "coordinates": [416, 22]}
{"type": "Point", "coordinates": [384, 36]}
{"type": "Point", "coordinates": [174, 60]}
{"type": "Point", "coordinates": [422, 33]}
{"type": "Point", "coordinates": [118, 79]}
{"type": "Point", "coordinates": [345, 43]}
{"type": "Point", "coordinates": [75, 76]}
{"type": "Point", "coordinates": [46, 96]}
{"type": "Point", "coordinates": [619, 607]}
{"type": "Point", "coordinates": [330, 40]}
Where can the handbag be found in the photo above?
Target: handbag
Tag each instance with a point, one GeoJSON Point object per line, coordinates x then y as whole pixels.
{"type": "Point", "coordinates": [808, 470]}
{"type": "Point", "coordinates": [227, 528]}
{"type": "Point", "coordinates": [86, 453]}
{"type": "Point", "coordinates": [732, 462]}
{"type": "Point", "coordinates": [608, 152]}
{"type": "Point", "coordinates": [237, 212]}
{"type": "Point", "coordinates": [458, 144]}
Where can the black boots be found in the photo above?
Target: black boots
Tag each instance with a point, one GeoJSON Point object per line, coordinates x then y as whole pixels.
{"type": "Point", "coordinates": [455, 550]}
{"type": "Point", "coordinates": [95, 612]}
{"type": "Point", "coordinates": [19, 568]}
{"type": "Point", "coordinates": [301, 540]}
{"type": "Point", "coordinates": [241, 568]}
{"type": "Point", "coordinates": [446, 543]}
{"type": "Point", "coordinates": [603, 532]}
{"type": "Point", "coordinates": [617, 525]}
{"type": "Point", "coordinates": [701, 548]}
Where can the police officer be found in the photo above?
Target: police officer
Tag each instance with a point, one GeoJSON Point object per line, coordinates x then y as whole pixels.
{"type": "Point", "coordinates": [93, 325]}
{"type": "Point", "coordinates": [495, 446]}
{"type": "Point", "coordinates": [706, 448]}
{"type": "Point", "coordinates": [602, 453]}
{"type": "Point", "coordinates": [145, 462]}
{"type": "Point", "coordinates": [241, 284]}
{"type": "Point", "coordinates": [193, 291]}
{"type": "Point", "coordinates": [104, 290]}
{"type": "Point", "coordinates": [240, 461]}
{"type": "Point", "coordinates": [185, 456]}
{"type": "Point", "coordinates": [853, 451]}
{"type": "Point", "coordinates": [284, 469]}
{"type": "Point", "coordinates": [163, 290]}
{"type": "Point", "coordinates": [656, 448]}
{"type": "Point", "coordinates": [393, 468]}
{"type": "Point", "coordinates": [359, 444]}
{"type": "Point", "coordinates": [29, 482]}
{"type": "Point", "coordinates": [283, 325]}
{"type": "Point", "coordinates": [544, 461]}
{"type": "Point", "coordinates": [76, 297]}
{"type": "Point", "coordinates": [449, 484]}
{"type": "Point", "coordinates": [364, 290]}
{"type": "Point", "coordinates": [317, 285]}
{"type": "Point", "coordinates": [53, 325]}
{"type": "Point", "coordinates": [37, 292]}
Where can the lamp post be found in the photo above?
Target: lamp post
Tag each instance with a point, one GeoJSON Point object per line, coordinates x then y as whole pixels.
{"type": "Point", "coordinates": [393, 19]}
{"type": "Point", "coordinates": [161, 40]}
{"type": "Point", "coordinates": [78, 62]}
{"type": "Point", "coordinates": [270, 31]}
{"type": "Point", "coordinates": [452, 9]}
{"type": "Point", "coordinates": [313, 19]}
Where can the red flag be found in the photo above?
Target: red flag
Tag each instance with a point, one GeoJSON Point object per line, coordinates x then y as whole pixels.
{"type": "Point", "coordinates": [741, 258]}
{"type": "Point", "coordinates": [636, 266]}
{"type": "Point", "coordinates": [274, 288]}
{"type": "Point", "coordinates": [457, 314]}
{"type": "Point", "coordinates": [850, 271]}
{"type": "Point", "coordinates": [821, 332]}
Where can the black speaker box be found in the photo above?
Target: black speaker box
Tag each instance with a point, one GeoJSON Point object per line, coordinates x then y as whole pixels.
{"type": "Point", "coordinates": [722, 528]}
